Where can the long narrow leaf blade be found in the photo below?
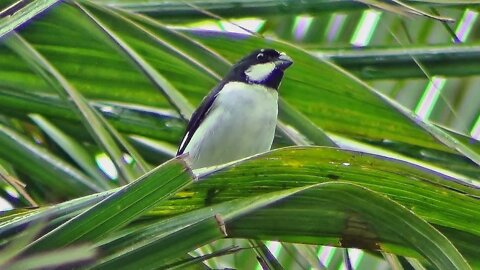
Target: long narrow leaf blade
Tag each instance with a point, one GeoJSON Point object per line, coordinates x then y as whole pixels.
{"type": "Point", "coordinates": [9, 22]}
{"type": "Point", "coordinates": [75, 150]}
{"type": "Point", "coordinates": [53, 172]}
{"type": "Point", "coordinates": [90, 118]}
{"type": "Point", "coordinates": [362, 216]}
{"type": "Point", "coordinates": [121, 207]}
{"type": "Point", "coordinates": [173, 95]}
{"type": "Point", "coordinates": [168, 248]}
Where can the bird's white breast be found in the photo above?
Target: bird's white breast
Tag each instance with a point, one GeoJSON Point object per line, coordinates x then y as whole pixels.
{"type": "Point", "coordinates": [240, 123]}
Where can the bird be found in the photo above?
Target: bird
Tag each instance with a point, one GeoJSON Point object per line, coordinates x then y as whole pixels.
{"type": "Point", "coordinates": [238, 117]}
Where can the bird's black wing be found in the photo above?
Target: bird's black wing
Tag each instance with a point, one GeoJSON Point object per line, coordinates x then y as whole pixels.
{"type": "Point", "coordinates": [198, 116]}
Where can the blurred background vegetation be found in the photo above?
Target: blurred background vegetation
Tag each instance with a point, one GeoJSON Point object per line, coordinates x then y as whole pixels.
{"type": "Point", "coordinates": [382, 103]}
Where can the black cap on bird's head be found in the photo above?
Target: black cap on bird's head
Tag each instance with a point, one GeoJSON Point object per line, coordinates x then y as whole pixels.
{"type": "Point", "coordinates": [264, 66]}
{"type": "Point", "coordinates": [268, 55]}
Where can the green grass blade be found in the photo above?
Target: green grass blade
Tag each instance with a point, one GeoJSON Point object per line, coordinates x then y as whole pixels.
{"type": "Point", "coordinates": [61, 178]}
{"type": "Point", "coordinates": [195, 261]}
{"type": "Point", "coordinates": [12, 21]}
{"type": "Point", "coordinates": [464, 139]}
{"type": "Point", "coordinates": [441, 135]}
{"type": "Point", "coordinates": [64, 258]}
{"type": "Point", "coordinates": [266, 259]}
{"type": "Point", "coordinates": [265, 8]}
{"type": "Point", "coordinates": [310, 255]}
{"type": "Point", "coordinates": [393, 62]}
{"type": "Point", "coordinates": [230, 8]}
{"type": "Point", "coordinates": [121, 207]}
{"type": "Point", "coordinates": [183, 45]}
{"type": "Point", "coordinates": [409, 184]}
{"type": "Point", "coordinates": [173, 95]}
{"type": "Point", "coordinates": [438, 198]}
{"type": "Point", "coordinates": [334, 213]}
{"type": "Point", "coordinates": [313, 133]}
{"type": "Point", "coordinates": [118, 244]}
{"type": "Point", "coordinates": [415, 264]}
{"type": "Point", "coordinates": [90, 118]}
{"type": "Point", "coordinates": [75, 150]}
{"type": "Point", "coordinates": [450, 205]}
{"type": "Point", "coordinates": [160, 124]}
{"type": "Point", "coordinates": [14, 221]}
{"type": "Point", "coordinates": [393, 261]}
{"type": "Point", "coordinates": [162, 253]}
{"type": "Point", "coordinates": [177, 43]}
{"type": "Point", "coordinates": [375, 214]}
{"type": "Point", "coordinates": [15, 247]}
{"type": "Point", "coordinates": [141, 165]}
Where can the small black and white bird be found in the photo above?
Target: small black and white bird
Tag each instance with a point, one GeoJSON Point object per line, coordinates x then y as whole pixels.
{"type": "Point", "coordinates": [237, 118]}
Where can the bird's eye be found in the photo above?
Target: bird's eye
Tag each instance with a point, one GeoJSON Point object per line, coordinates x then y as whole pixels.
{"type": "Point", "coordinates": [261, 56]}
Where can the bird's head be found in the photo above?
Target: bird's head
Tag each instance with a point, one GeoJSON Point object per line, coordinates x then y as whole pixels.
{"type": "Point", "coordinates": [264, 66]}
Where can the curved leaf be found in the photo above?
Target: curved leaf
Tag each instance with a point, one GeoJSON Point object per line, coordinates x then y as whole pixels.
{"type": "Point", "coordinates": [59, 177]}
{"type": "Point", "coordinates": [119, 208]}
{"type": "Point", "coordinates": [334, 213]}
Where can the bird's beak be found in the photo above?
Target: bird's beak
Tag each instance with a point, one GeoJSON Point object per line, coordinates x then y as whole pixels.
{"type": "Point", "coordinates": [283, 61]}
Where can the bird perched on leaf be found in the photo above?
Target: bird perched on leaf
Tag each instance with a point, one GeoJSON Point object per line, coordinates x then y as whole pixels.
{"type": "Point", "coordinates": [237, 118]}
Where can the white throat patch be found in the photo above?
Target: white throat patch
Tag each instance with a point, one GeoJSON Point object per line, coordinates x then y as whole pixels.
{"type": "Point", "coordinates": [259, 72]}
